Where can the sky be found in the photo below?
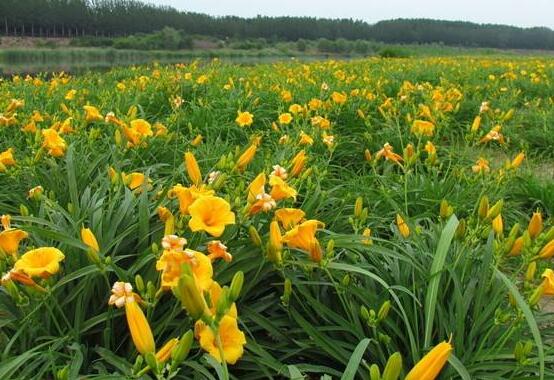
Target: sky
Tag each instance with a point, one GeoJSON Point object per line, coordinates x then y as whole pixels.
{"type": "Point", "coordinates": [525, 13]}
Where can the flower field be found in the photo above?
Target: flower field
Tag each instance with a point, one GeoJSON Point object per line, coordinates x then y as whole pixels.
{"type": "Point", "coordinates": [372, 219]}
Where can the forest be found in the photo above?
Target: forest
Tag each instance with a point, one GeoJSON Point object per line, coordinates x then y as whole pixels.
{"type": "Point", "coordinates": [112, 18]}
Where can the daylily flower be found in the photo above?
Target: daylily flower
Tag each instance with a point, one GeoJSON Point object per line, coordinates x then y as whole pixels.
{"type": "Point", "coordinates": [10, 239]}
{"type": "Point", "coordinates": [210, 214]}
{"type": "Point", "coordinates": [285, 118]}
{"type": "Point", "coordinates": [40, 262]}
{"type": "Point", "coordinates": [289, 217]}
{"type": "Point", "coordinates": [388, 153]}
{"type": "Point", "coordinates": [481, 166]}
{"type": "Point", "coordinates": [122, 292]}
{"type": "Point", "coordinates": [170, 264]}
{"type": "Point", "coordinates": [232, 340]}
{"type": "Point", "coordinates": [423, 128]}
{"type": "Point", "coordinates": [303, 237]}
{"type": "Point", "coordinates": [174, 243]}
{"type": "Point", "coordinates": [244, 119]}
{"type": "Point", "coordinates": [187, 195]}
{"type": "Point", "coordinates": [6, 158]}
{"type": "Point", "coordinates": [280, 189]}
{"type": "Point", "coordinates": [217, 250]}
{"type": "Point", "coordinates": [92, 114]}
{"type": "Point", "coordinates": [53, 143]}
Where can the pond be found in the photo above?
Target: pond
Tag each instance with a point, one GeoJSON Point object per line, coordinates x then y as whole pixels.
{"type": "Point", "coordinates": [75, 61]}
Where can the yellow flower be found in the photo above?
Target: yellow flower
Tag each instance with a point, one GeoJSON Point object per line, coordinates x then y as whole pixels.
{"type": "Point", "coordinates": [89, 239]}
{"type": "Point", "coordinates": [289, 217]}
{"type": "Point", "coordinates": [280, 189]}
{"type": "Point", "coordinates": [516, 162]}
{"type": "Point", "coordinates": [481, 166]}
{"type": "Point", "coordinates": [298, 163]}
{"type": "Point", "coordinates": [174, 243]}
{"type": "Point", "coordinates": [275, 245]}
{"type": "Point", "coordinates": [122, 292]}
{"type": "Point", "coordinates": [246, 157]}
{"type": "Point", "coordinates": [164, 353]}
{"type": "Point", "coordinates": [423, 128]}
{"type": "Point", "coordinates": [218, 250]}
{"type": "Point", "coordinates": [286, 96]}
{"type": "Point", "coordinates": [515, 250]}
{"type": "Point", "coordinates": [52, 141]}
{"type": "Point", "coordinates": [402, 226]}
{"type": "Point", "coordinates": [388, 153]}
{"type": "Point", "coordinates": [535, 225]}
{"type": "Point", "coordinates": [141, 333]}
{"type": "Point", "coordinates": [256, 187]}
{"type": "Point", "coordinates": [264, 202]}
{"type": "Point", "coordinates": [303, 237]}
{"type": "Point", "coordinates": [548, 282]}
{"type": "Point", "coordinates": [70, 95]}
{"type": "Point", "coordinates": [10, 239]}
{"type": "Point", "coordinates": [197, 140]}
{"type": "Point", "coordinates": [134, 180]}
{"type": "Point", "coordinates": [430, 148]}
{"type": "Point", "coordinates": [244, 119]}
{"type": "Point", "coordinates": [171, 262]}
{"type": "Point", "coordinates": [305, 139]}
{"type": "Point", "coordinates": [142, 127]}
{"type": "Point", "coordinates": [295, 108]}
{"type": "Point", "coordinates": [232, 340]}
{"type": "Point", "coordinates": [193, 170]}
{"type": "Point", "coordinates": [494, 135]}
{"type": "Point", "coordinates": [430, 366]}
{"type": "Point", "coordinates": [6, 158]}
{"type": "Point", "coordinates": [187, 195]}
{"type": "Point", "coordinates": [92, 114]}
{"type": "Point", "coordinates": [40, 262]}
{"type": "Point", "coordinates": [338, 97]}
{"type": "Point", "coordinates": [210, 214]}
{"type": "Point", "coordinates": [285, 118]}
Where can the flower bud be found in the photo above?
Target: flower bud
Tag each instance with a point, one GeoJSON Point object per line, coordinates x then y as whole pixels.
{"type": "Point", "coordinates": [535, 225]}
{"type": "Point", "coordinates": [150, 359]}
{"type": "Point", "coordinates": [181, 351]}
{"type": "Point", "coordinates": [358, 205]}
{"type": "Point", "coordinates": [536, 296]}
{"type": "Point", "coordinates": [483, 207]}
{"type": "Point", "coordinates": [384, 310]}
{"type": "Point", "coordinates": [516, 247]}
{"type": "Point", "coordinates": [287, 291]}
{"type": "Point", "coordinates": [547, 251]}
{"type": "Point", "coordinates": [495, 210]}
{"type": "Point", "coordinates": [530, 272]}
{"type": "Point", "coordinates": [498, 225]}
{"type": "Point", "coordinates": [374, 372]}
{"type": "Point", "coordinates": [393, 367]}
{"type": "Point", "coordinates": [189, 295]}
{"type": "Point", "coordinates": [254, 236]}
{"type": "Point", "coordinates": [236, 286]}
{"type": "Point", "coordinates": [23, 210]}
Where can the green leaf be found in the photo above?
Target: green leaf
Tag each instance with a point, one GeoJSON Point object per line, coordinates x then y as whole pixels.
{"type": "Point", "coordinates": [436, 270]}
{"type": "Point", "coordinates": [294, 373]}
{"type": "Point", "coordinates": [528, 316]}
{"type": "Point", "coordinates": [355, 359]}
{"type": "Point", "coordinates": [459, 366]}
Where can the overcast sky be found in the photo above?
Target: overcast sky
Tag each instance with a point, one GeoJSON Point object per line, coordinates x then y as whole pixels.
{"type": "Point", "coordinates": [511, 12]}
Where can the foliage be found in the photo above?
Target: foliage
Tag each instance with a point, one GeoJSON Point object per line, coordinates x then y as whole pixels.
{"type": "Point", "coordinates": [413, 165]}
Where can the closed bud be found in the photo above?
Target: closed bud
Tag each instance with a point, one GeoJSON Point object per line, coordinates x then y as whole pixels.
{"type": "Point", "coordinates": [150, 359]}
{"type": "Point", "coordinates": [444, 209]}
{"type": "Point", "coordinates": [384, 310]}
{"type": "Point", "coordinates": [117, 137]}
{"type": "Point", "coordinates": [461, 229]}
{"type": "Point", "coordinates": [254, 236]}
{"type": "Point", "coordinates": [236, 286]}
{"type": "Point", "coordinates": [498, 225]}
{"type": "Point", "coordinates": [358, 205]}
{"type": "Point", "coordinates": [547, 251]}
{"type": "Point", "coordinates": [483, 207]}
{"type": "Point", "coordinates": [287, 291]}
{"type": "Point", "coordinates": [530, 272]}
{"type": "Point", "coordinates": [345, 280]}
{"type": "Point", "coordinates": [181, 351]}
{"type": "Point", "coordinates": [536, 296]}
{"type": "Point", "coordinates": [535, 225]}
{"type": "Point", "coordinates": [393, 367]}
{"type": "Point", "coordinates": [330, 247]}
{"type": "Point", "coordinates": [367, 155]}
{"type": "Point", "coordinates": [514, 231]}
{"type": "Point", "coordinates": [189, 295]}
{"type": "Point", "coordinates": [139, 283]}
{"type": "Point", "coordinates": [155, 248]}
{"type": "Point", "coordinates": [548, 236]}
{"type": "Point", "coordinates": [275, 245]}
{"type": "Point", "coordinates": [364, 313]}
{"type": "Point", "coordinates": [223, 303]}
{"type": "Point", "coordinates": [374, 372]}
{"type": "Point", "coordinates": [515, 249]}
{"type": "Point", "coordinates": [384, 338]}
{"type": "Point", "coordinates": [63, 374]}
{"type": "Point", "coordinates": [495, 210]}
{"type": "Point", "coordinates": [23, 210]}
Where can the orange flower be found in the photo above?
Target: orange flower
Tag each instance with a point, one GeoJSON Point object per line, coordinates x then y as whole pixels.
{"type": "Point", "coordinates": [303, 237]}
{"type": "Point", "coordinates": [388, 153]}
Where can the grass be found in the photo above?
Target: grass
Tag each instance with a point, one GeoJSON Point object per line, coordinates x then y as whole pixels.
{"type": "Point", "coordinates": [370, 299]}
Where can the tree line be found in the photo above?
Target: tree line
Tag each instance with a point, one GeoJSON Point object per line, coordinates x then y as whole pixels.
{"type": "Point", "coordinates": [112, 18]}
